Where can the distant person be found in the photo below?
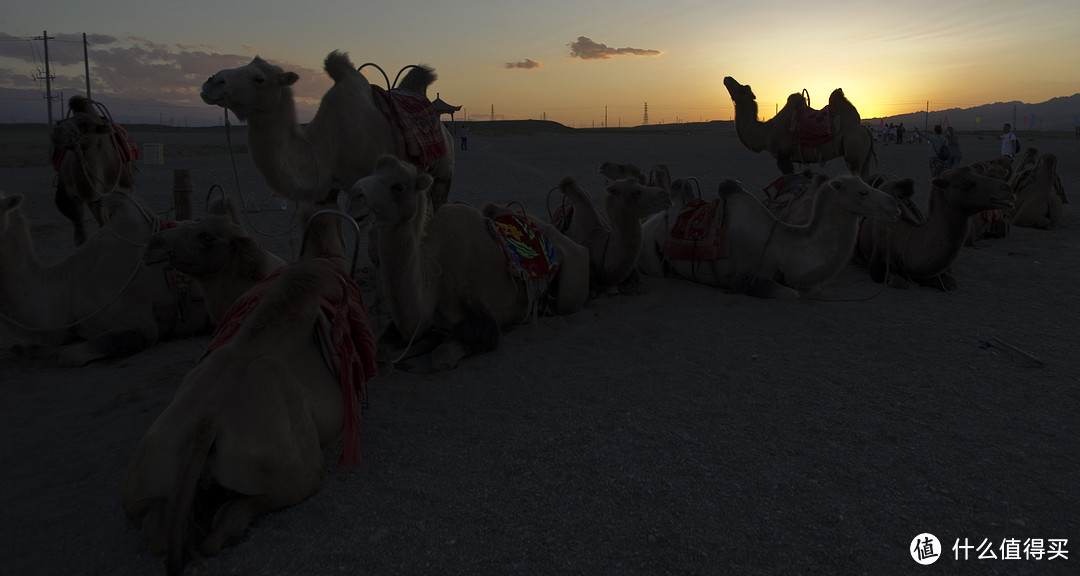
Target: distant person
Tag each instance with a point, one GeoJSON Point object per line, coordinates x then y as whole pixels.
{"type": "Point", "coordinates": [1008, 141]}
{"type": "Point", "coordinates": [464, 136]}
{"type": "Point", "coordinates": [916, 136]}
{"type": "Point", "coordinates": [939, 152]}
{"type": "Point", "coordinates": [954, 147]}
{"type": "Point", "coordinates": [900, 133]}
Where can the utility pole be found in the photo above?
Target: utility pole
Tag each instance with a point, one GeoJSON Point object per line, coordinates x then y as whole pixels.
{"type": "Point", "coordinates": [646, 120]}
{"type": "Point", "coordinates": [48, 76]}
{"type": "Point", "coordinates": [86, 64]}
{"type": "Point", "coordinates": [926, 122]}
{"type": "Point", "coordinates": [492, 112]}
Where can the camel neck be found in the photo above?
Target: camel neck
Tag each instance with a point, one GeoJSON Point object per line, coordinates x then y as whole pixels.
{"type": "Point", "coordinates": [932, 246]}
{"type": "Point", "coordinates": [283, 153]}
{"type": "Point", "coordinates": [829, 239]}
{"type": "Point", "coordinates": [624, 242]}
{"type": "Point", "coordinates": [403, 277]}
{"type": "Point", "coordinates": [752, 133]}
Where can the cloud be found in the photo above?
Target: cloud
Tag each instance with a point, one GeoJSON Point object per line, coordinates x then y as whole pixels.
{"type": "Point", "coordinates": [527, 64]}
{"type": "Point", "coordinates": [134, 67]}
{"type": "Point", "coordinates": [588, 49]}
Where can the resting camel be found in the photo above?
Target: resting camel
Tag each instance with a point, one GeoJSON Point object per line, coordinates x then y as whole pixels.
{"type": "Point", "coordinates": [655, 229]}
{"type": "Point", "coordinates": [991, 223]}
{"type": "Point", "coordinates": [752, 252]}
{"type": "Point", "coordinates": [452, 273]}
{"type": "Point", "coordinates": [841, 133]}
{"type": "Point", "coordinates": [247, 429]}
{"type": "Point", "coordinates": [341, 143]}
{"type": "Point", "coordinates": [924, 251]}
{"type": "Point", "coordinates": [217, 252]}
{"type": "Point", "coordinates": [613, 241]}
{"type": "Point", "coordinates": [101, 293]}
{"type": "Point", "coordinates": [1039, 195]}
{"type": "Point", "coordinates": [92, 158]}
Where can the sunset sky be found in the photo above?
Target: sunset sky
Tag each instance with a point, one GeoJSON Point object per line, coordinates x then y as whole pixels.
{"type": "Point", "coordinates": [567, 59]}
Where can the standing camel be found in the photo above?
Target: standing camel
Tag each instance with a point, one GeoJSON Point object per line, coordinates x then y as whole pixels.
{"type": "Point", "coordinates": [837, 133]}
{"type": "Point", "coordinates": [92, 157]}
{"type": "Point", "coordinates": [347, 135]}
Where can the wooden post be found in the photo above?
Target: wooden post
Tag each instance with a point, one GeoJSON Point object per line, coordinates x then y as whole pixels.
{"type": "Point", "coordinates": [182, 194]}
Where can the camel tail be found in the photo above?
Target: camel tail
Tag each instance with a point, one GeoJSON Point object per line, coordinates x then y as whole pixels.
{"type": "Point", "coordinates": [178, 511]}
{"type": "Point", "coordinates": [338, 65]}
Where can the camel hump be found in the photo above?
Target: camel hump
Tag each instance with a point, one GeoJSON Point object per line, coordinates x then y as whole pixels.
{"type": "Point", "coordinates": [82, 105]}
{"type": "Point", "coordinates": [419, 77]}
{"type": "Point", "coordinates": [338, 65]}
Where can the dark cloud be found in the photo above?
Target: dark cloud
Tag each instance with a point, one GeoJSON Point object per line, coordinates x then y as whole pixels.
{"type": "Point", "coordinates": [588, 49]}
{"type": "Point", "coordinates": [134, 67]}
{"type": "Point", "coordinates": [527, 64]}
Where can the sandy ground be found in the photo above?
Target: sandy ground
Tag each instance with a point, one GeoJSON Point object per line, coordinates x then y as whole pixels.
{"type": "Point", "coordinates": [676, 430]}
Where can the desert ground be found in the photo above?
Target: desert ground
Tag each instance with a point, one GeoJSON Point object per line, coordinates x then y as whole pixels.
{"type": "Point", "coordinates": [674, 429]}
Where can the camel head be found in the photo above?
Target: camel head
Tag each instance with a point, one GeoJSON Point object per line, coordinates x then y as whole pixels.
{"type": "Point", "coordinates": [256, 87]}
{"type": "Point", "coordinates": [1047, 165]}
{"type": "Point", "coordinates": [855, 196]}
{"type": "Point", "coordinates": [971, 192]}
{"type": "Point", "coordinates": [739, 93]}
{"type": "Point", "coordinates": [7, 204]}
{"type": "Point", "coordinates": [633, 198]}
{"type": "Point", "coordinates": [394, 193]}
{"type": "Point", "coordinates": [202, 248]}
{"type": "Point", "coordinates": [615, 171]}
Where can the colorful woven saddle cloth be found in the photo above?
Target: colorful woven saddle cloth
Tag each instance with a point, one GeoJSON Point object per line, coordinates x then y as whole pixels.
{"type": "Point", "coordinates": [529, 252]}
{"type": "Point", "coordinates": [813, 127]}
{"type": "Point", "coordinates": [421, 133]}
{"type": "Point", "coordinates": [695, 235]}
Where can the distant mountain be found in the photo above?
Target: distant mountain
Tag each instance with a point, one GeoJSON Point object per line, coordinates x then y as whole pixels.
{"type": "Point", "coordinates": [28, 106]}
{"type": "Point", "coordinates": [1057, 114]}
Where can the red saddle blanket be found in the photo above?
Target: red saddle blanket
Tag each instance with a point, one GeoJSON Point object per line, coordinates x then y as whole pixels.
{"type": "Point", "coordinates": [417, 121]}
{"type": "Point", "coordinates": [348, 339]}
{"type": "Point", "coordinates": [695, 236]}
{"type": "Point", "coordinates": [814, 127]}
{"type": "Point", "coordinates": [528, 251]}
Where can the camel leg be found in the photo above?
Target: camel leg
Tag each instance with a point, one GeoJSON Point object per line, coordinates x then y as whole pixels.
{"type": "Point", "coordinates": [154, 529]}
{"type": "Point", "coordinates": [72, 209]}
{"type": "Point", "coordinates": [761, 287]}
{"type": "Point", "coordinates": [785, 164]}
{"type": "Point", "coordinates": [95, 210]}
{"type": "Point", "coordinates": [112, 344]}
{"type": "Point", "coordinates": [476, 334]}
{"type": "Point", "coordinates": [232, 520]}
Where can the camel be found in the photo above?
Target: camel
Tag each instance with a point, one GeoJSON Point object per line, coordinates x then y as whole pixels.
{"type": "Point", "coordinates": [92, 157]}
{"type": "Point", "coordinates": [613, 241]}
{"type": "Point", "coordinates": [450, 273]}
{"type": "Point", "coordinates": [844, 135]}
{"type": "Point", "coordinates": [342, 142]}
{"type": "Point", "coordinates": [754, 253]}
{"type": "Point", "coordinates": [991, 223]}
{"type": "Point", "coordinates": [1039, 195]}
{"type": "Point", "coordinates": [655, 228]}
{"type": "Point", "coordinates": [247, 429]}
{"type": "Point", "coordinates": [923, 251]}
{"type": "Point", "coordinates": [217, 252]}
{"type": "Point", "coordinates": [101, 293]}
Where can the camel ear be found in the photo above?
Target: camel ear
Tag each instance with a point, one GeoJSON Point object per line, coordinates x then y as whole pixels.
{"type": "Point", "coordinates": [386, 161]}
{"type": "Point", "coordinates": [288, 78]}
{"type": "Point", "coordinates": [424, 181]}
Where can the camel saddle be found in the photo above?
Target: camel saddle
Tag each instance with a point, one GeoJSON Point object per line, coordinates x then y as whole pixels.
{"type": "Point", "coordinates": [419, 135]}
{"type": "Point", "coordinates": [528, 252]}
{"type": "Point", "coordinates": [813, 127]}
{"type": "Point", "coordinates": [785, 190]}
{"type": "Point", "coordinates": [345, 337]}
{"type": "Point", "coordinates": [694, 237]}
{"type": "Point", "coordinates": [125, 148]}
